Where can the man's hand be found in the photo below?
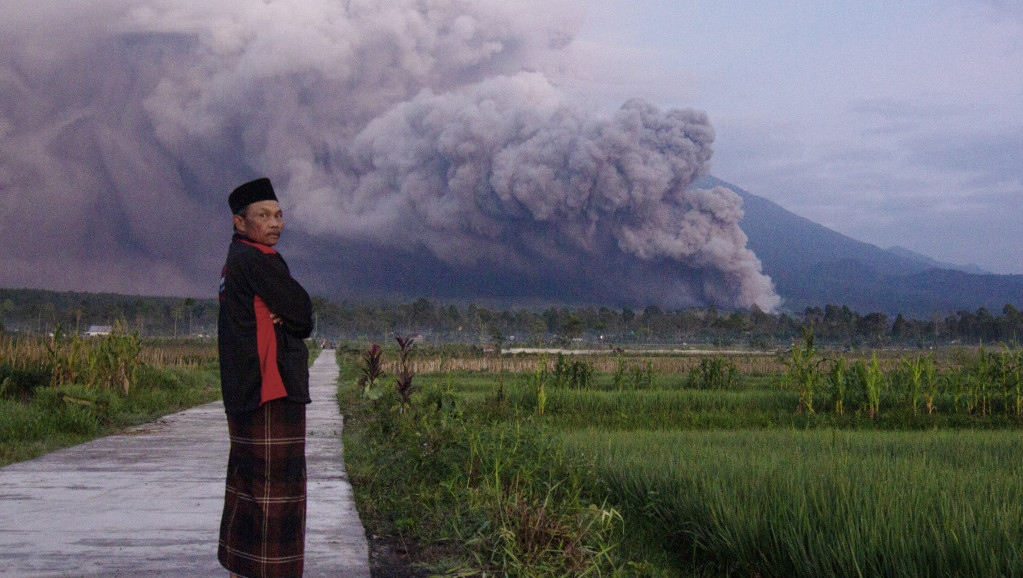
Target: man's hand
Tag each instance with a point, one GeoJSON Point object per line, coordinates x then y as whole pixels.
{"type": "Point", "coordinates": [277, 320]}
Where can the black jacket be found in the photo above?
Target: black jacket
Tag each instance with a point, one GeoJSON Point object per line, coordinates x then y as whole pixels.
{"type": "Point", "coordinates": [259, 360]}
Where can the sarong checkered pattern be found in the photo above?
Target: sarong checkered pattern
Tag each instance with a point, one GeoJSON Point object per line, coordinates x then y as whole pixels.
{"type": "Point", "coordinates": [262, 531]}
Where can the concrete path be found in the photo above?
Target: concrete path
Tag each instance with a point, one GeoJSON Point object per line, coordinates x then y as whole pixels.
{"type": "Point", "coordinates": [147, 502]}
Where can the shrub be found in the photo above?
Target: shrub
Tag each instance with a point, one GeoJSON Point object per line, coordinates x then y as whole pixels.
{"type": "Point", "coordinates": [403, 381]}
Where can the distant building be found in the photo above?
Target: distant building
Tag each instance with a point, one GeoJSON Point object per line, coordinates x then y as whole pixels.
{"type": "Point", "coordinates": [98, 330]}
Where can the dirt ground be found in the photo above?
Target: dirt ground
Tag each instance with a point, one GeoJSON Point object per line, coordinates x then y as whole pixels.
{"type": "Point", "coordinates": [388, 558]}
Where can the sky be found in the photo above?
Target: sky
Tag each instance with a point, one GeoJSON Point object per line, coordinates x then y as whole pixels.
{"type": "Point", "coordinates": [503, 145]}
{"type": "Point", "coordinates": [895, 123]}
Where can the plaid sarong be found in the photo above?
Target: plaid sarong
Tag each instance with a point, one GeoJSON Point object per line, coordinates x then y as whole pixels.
{"type": "Point", "coordinates": [262, 531]}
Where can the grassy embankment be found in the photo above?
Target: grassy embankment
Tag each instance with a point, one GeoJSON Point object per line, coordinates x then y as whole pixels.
{"type": "Point", "coordinates": [822, 465]}
{"type": "Point", "coordinates": [59, 392]}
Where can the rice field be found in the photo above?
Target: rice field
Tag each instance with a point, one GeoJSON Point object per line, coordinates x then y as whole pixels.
{"type": "Point", "coordinates": [720, 466]}
{"type": "Point", "coordinates": [819, 503]}
{"type": "Point", "coordinates": [663, 363]}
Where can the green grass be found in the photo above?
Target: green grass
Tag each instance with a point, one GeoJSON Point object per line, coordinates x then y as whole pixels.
{"type": "Point", "coordinates": [57, 417]}
{"type": "Point", "coordinates": [37, 417]}
{"type": "Point", "coordinates": [482, 489]}
{"type": "Point", "coordinates": [727, 481]}
{"type": "Point", "coordinates": [819, 503]}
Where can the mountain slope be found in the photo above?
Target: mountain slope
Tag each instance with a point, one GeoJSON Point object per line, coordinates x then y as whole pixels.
{"type": "Point", "coordinates": [933, 264]}
{"type": "Point", "coordinates": [812, 265]}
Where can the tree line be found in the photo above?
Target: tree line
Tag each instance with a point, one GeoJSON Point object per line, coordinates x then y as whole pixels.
{"type": "Point", "coordinates": [41, 312]}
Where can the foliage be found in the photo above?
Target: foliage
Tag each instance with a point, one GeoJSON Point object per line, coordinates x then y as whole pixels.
{"type": "Point", "coordinates": [487, 487]}
{"type": "Point", "coordinates": [372, 368]}
{"type": "Point", "coordinates": [870, 379]}
{"type": "Point", "coordinates": [540, 384]}
{"type": "Point", "coordinates": [618, 379]}
{"type": "Point", "coordinates": [61, 390]}
{"type": "Point", "coordinates": [403, 381]}
{"type": "Point", "coordinates": [497, 338]}
{"type": "Point", "coordinates": [58, 416]}
{"type": "Point", "coordinates": [839, 381]}
{"type": "Point", "coordinates": [804, 369]}
{"type": "Point", "coordinates": [575, 374]}
{"type": "Point", "coordinates": [109, 362]}
{"type": "Point", "coordinates": [982, 387]}
{"type": "Point", "coordinates": [114, 361]}
{"type": "Point", "coordinates": [713, 373]}
{"type": "Point", "coordinates": [642, 378]}
{"type": "Point", "coordinates": [691, 512]}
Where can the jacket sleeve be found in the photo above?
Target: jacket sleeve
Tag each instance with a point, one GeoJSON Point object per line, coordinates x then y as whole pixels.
{"type": "Point", "coordinates": [270, 278]}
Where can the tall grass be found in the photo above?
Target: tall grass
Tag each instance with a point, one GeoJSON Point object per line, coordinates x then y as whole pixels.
{"type": "Point", "coordinates": [820, 503]}
{"type": "Point", "coordinates": [64, 390]}
{"type": "Point", "coordinates": [661, 409]}
{"type": "Point", "coordinates": [191, 353]}
{"type": "Point", "coordinates": [481, 485]}
{"type": "Point", "coordinates": [60, 416]}
{"type": "Point", "coordinates": [677, 364]}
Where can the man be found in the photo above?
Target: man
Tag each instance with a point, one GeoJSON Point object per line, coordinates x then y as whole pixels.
{"type": "Point", "coordinates": [264, 316]}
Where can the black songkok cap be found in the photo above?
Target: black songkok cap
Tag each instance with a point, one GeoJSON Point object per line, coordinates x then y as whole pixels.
{"type": "Point", "coordinates": [251, 192]}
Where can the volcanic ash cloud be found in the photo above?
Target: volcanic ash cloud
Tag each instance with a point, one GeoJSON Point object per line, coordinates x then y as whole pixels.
{"type": "Point", "coordinates": [509, 173]}
{"type": "Point", "coordinates": [408, 125]}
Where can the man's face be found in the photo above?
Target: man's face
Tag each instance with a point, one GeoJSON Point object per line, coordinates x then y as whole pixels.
{"type": "Point", "coordinates": [261, 222]}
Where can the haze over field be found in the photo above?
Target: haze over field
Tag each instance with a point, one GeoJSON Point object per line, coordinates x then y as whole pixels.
{"type": "Point", "coordinates": [521, 149]}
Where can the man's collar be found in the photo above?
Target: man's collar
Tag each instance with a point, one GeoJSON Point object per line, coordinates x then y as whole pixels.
{"type": "Point", "coordinates": [264, 248]}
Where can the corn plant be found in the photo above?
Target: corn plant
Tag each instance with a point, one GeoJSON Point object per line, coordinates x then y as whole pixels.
{"type": "Point", "coordinates": [1017, 380]}
{"type": "Point", "coordinates": [64, 357]}
{"type": "Point", "coordinates": [980, 382]}
{"type": "Point", "coordinates": [1014, 370]}
{"type": "Point", "coordinates": [952, 383]}
{"type": "Point", "coordinates": [1004, 370]}
{"type": "Point", "coordinates": [804, 366]}
{"type": "Point", "coordinates": [642, 378]}
{"type": "Point", "coordinates": [913, 376]}
{"type": "Point", "coordinates": [838, 377]}
{"type": "Point", "coordinates": [713, 373]}
{"type": "Point", "coordinates": [559, 376]}
{"type": "Point", "coordinates": [931, 384]}
{"type": "Point", "coordinates": [971, 395]}
{"type": "Point", "coordinates": [108, 362]}
{"type": "Point", "coordinates": [875, 383]}
{"type": "Point", "coordinates": [618, 377]}
{"type": "Point", "coordinates": [869, 378]}
{"type": "Point", "coordinates": [114, 360]}
{"type": "Point", "coordinates": [580, 374]}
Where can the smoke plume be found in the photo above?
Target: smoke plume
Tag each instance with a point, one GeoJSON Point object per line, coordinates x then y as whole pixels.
{"type": "Point", "coordinates": [416, 145]}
